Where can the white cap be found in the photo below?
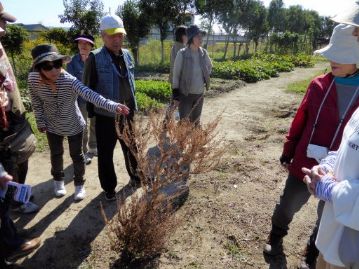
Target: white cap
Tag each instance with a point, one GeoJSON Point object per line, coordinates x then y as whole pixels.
{"type": "Point", "coordinates": [112, 24]}
{"type": "Point", "coordinates": [343, 47]}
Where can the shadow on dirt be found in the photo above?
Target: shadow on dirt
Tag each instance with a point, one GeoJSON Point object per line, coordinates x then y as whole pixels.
{"type": "Point", "coordinates": [125, 262]}
{"type": "Point", "coordinates": [43, 192]}
{"type": "Point", "coordinates": [276, 262]}
{"type": "Point", "coordinates": [71, 243]}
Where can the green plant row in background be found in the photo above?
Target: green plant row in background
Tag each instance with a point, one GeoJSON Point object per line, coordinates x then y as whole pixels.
{"type": "Point", "coordinates": [260, 66]}
{"type": "Point", "coordinates": [152, 94]}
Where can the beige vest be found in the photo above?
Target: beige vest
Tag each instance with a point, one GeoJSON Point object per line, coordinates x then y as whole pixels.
{"type": "Point", "coordinates": [187, 69]}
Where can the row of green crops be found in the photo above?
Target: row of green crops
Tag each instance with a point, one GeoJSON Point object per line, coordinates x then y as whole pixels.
{"type": "Point", "coordinates": [152, 93]}
{"type": "Point", "coordinates": [260, 67]}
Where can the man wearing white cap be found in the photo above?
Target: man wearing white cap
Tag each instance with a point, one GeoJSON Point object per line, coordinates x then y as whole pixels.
{"type": "Point", "coordinates": [110, 71]}
{"type": "Point", "coordinates": [317, 128]}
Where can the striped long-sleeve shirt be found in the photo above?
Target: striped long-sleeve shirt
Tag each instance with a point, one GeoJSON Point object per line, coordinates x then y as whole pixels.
{"type": "Point", "coordinates": [57, 111]}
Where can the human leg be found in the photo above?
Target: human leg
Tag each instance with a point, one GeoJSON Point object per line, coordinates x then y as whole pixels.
{"type": "Point", "coordinates": [185, 106]}
{"type": "Point", "coordinates": [77, 156]}
{"type": "Point", "coordinates": [92, 143]}
{"type": "Point", "coordinates": [83, 110]}
{"type": "Point", "coordinates": [197, 105]}
{"type": "Point", "coordinates": [322, 264]}
{"type": "Point", "coordinates": [57, 164]}
{"type": "Point", "coordinates": [295, 195]}
{"type": "Point", "coordinates": [106, 141]}
{"type": "Point", "coordinates": [311, 252]}
{"type": "Point", "coordinates": [130, 159]}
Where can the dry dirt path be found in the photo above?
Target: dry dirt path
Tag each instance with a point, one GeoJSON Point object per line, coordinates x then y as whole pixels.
{"type": "Point", "coordinates": [227, 216]}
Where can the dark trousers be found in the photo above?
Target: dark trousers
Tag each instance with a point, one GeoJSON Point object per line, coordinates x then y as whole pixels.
{"type": "Point", "coordinates": [295, 195]}
{"type": "Point", "coordinates": [107, 138]}
{"type": "Point", "coordinates": [190, 107]}
{"type": "Point", "coordinates": [57, 151]}
{"type": "Point", "coordinates": [9, 239]}
{"type": "Point", "coordinates": [17, 170]}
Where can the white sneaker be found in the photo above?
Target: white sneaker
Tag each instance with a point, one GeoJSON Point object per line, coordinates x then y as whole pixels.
{"type": "Point", "coordinates": [59, 188]}
{"type": "Point", "coordinates": [28, 208]}
{"type": "Point", "coordinates": [80, 193]}
{"type": "Point", "coordinates": [92, 151]}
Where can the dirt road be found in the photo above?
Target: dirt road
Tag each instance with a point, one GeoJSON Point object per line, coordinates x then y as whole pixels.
{"type": "Point", "coordinates": [227, 217]}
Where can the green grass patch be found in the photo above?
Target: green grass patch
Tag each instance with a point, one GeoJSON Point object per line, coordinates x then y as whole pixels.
{"type": "Point", "coordinates": [300, 87]}
{"type": "Point", "coordinates": [41, 143]}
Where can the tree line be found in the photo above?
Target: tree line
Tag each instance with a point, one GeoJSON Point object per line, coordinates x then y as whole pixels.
{"type": "Point", "coordinates": [282, 29]}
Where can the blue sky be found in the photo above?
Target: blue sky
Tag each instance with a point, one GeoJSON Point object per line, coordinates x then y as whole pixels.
{"type": "Point", "coordinates": [47, 11]}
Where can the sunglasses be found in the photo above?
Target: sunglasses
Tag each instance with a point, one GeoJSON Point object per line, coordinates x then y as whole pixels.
{"type": "Point", "coordinates": [48, 66]}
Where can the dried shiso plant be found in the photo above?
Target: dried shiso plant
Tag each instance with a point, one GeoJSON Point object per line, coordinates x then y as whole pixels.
{"type": "Point", "coordinates": [167, 152]}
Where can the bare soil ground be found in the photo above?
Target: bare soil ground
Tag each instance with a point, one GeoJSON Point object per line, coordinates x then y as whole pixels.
{"type": "Point", "coordinates": [226, 219]}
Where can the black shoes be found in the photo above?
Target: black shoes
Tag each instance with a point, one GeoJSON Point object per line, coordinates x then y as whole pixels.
{"type": "Point", "coordinates": [110, 195]}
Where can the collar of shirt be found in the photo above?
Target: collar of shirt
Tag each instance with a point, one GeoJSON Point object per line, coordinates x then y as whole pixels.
{"type": "Point", "coordinates": [115, 58]}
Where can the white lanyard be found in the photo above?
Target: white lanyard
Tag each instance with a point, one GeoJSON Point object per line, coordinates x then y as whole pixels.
{"type": "Point", "coordinates": [341, 120]}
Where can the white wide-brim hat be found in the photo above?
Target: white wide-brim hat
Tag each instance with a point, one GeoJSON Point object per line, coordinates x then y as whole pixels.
{"type": "Point", "coordinates": [343, 47]}
{"type": "Point", "coordinates": [349, 16]}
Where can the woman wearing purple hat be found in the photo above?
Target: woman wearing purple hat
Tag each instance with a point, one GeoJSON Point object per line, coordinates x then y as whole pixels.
{"type": "Point", "coordinates": [85, 44]}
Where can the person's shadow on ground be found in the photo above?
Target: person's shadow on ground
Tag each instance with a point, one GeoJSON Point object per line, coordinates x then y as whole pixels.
{"type": "Point", "coordinates": [276, 262]}
{"type": "Point", "coordinates": [70, 246]}
{"type": "Point", "coordinates": [43, 192]}
{"type": "Point", "coordinates": [125, 263]}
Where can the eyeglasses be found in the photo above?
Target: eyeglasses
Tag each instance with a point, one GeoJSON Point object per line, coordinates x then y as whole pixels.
{"type": "Point", "coordinates": [48, 66]}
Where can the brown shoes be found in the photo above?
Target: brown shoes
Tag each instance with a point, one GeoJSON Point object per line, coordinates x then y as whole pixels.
{"type": "Point", "coordinates": [26, 248]}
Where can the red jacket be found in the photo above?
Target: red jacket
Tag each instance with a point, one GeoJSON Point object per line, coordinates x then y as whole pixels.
{"type": "Point", "coordinates": [300, 130]}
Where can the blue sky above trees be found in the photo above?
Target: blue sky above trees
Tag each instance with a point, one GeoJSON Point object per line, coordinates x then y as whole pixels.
{"type": "Point", "coordinates": [47, 11]}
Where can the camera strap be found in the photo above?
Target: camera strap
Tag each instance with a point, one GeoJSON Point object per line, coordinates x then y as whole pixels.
{"type": "Point", "coordinates": [342, 118]}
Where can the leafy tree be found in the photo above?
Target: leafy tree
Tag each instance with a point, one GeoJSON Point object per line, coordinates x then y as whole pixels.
{"type": "Point", "coordinates": [276, 16]}
{"type": "Point", "coordinates": [136, 23]}
{"type": "Point", "coordinates": [229, 16]}
{"type": "Point", "coordinates": [208, 10]}
{"type": "Point", "coordinates": [257, 22]}
{"type": "Point", "coordinates": [13, 41]}
{"type": "Point", "coordinates": [295, 19]}
{"type": "Point", "coordinates": [84, 15]}
{"type": "Point", "coordinates": [162, 13]}
{"type": "Point", "coordinates": [57, 34]}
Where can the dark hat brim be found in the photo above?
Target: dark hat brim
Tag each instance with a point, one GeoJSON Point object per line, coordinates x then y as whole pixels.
{"type": "Point", "coordinates": [7, 17]}
{"type": "Point", "coordinates": [52, 58]}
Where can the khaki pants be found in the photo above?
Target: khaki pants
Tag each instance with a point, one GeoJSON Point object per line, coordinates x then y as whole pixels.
{"type": "Point", "coordinates": [321, 264]}
{"type": "Point", "coordinates": [89, 134]}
